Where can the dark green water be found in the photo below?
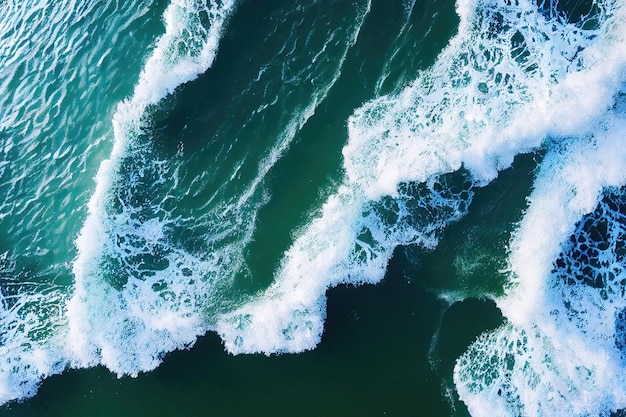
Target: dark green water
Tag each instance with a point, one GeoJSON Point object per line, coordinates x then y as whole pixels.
{"type": "Point", "coordinates": [195, 196]}
{"type": "Point", "coordinates": [373, 360]}
{"type": "Point", "coordinates": [388, 349]}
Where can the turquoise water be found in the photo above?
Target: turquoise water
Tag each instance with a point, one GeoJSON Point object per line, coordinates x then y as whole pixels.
{"type": "Point", "coordinates": [194, 192]}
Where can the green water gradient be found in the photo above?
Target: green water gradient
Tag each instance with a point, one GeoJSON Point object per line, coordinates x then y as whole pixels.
{"type": "Point", "coordinates": [311, 170]}
{"type": "Point", "coordinates": [373, 361]}
{"type": "Point", "coordinates": [387, 349]}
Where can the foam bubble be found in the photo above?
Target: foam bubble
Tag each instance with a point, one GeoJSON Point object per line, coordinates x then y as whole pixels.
{"type": "Point", "coordinates": [116, 328]}
{"type": "Point", "coordinates": [559, 353]}
{"type": "Point", "coordinates": [140, 290]}
{"type": "Point", "coordinates": [512, 76]}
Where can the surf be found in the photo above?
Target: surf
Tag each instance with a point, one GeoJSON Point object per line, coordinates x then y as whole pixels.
{"type": "Point", "coordinates": [469, 115]}
{"type": "Point", "coordinates": [42, 157]}
{"type": "Point", "coordinates": [160, 250]}
{"type": "Point", "coordinates": [518, 77]}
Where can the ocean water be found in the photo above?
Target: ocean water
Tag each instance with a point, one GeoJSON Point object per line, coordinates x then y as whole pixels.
{"type": "Point", "coordinates": [195, 193]}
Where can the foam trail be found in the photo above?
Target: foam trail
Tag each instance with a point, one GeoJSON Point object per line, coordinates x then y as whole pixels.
{"type": "Point", "coordinates": [99, 330]}
{"type": "Point", "coordinates": [559, 353]}
{"type": "Point", "coordinates": [508, 64]}
{"type": "Point", "coordinates": [40, 154]}
{"type": "Point", "coordinates": [147, 294]}
{"type": "Point", "coordinates": [300, 120]}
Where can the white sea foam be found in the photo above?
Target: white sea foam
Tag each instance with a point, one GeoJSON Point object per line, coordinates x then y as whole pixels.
{"type": "Point", "coordinates": [350, 241]}
{"type": "Point", "coordinates": [138, 294]}
{"type": "Point", "coordinates": [559, 354]}
{"type": "Point", "coordinates": [129, 331]}
{"type": "Point", "coordinates": [26, 318]}
{"type": "Point", "coordinates": [511, 77]}
{"type": "Point", "coordinates": [41, 153]}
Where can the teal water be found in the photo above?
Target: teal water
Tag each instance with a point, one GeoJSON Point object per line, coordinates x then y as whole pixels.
{"type": "Point", "coordinates": [194, 193]}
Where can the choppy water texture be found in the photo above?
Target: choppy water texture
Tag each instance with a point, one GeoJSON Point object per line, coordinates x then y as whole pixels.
{"type": "Point", "coordinates": [248, 156]}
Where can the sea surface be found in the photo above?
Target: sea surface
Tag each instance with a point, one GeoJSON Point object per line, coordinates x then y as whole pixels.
{"type": "Point", "coordinates": [196, 197]}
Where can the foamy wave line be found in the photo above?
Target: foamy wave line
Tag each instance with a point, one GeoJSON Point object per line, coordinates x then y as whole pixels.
{"type": "Point", "coordinates": [559, 352]}
{"type": "Point", "coordinates": [37, 48]}
{"type": "Point", "coordinates": [558, 355]}
{"type": "Point", "coordinates": [509, 64]}
{"type": "Point", "coordinates": [129, 330]}
{"type": "Point", "coordinates": [187, 49]}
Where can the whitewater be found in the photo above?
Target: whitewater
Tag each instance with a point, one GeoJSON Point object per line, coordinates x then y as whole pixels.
{"type": "Point", "coordinates": [517, 77]}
